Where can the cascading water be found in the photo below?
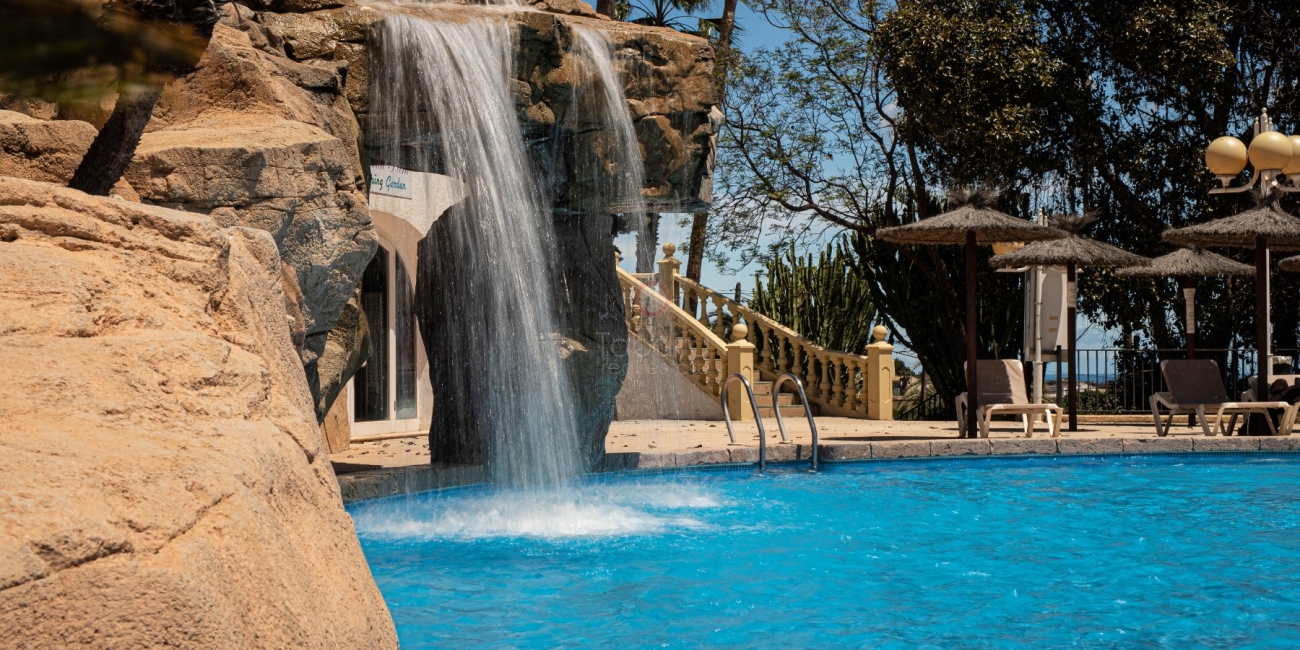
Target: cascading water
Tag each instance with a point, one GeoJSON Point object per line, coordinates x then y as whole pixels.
{"type": "Point", "coordinates": [615, 165]}
{"type": "Point", "coordinates": [442, 104]}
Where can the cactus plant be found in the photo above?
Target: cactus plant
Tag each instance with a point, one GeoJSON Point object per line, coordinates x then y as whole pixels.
{"type": "Point", "coordinates": [820, 297]}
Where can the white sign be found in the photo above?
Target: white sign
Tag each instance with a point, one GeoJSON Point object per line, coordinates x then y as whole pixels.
{"type": "Point", "coordinates": [390, 181]}
{"type": "Point", "coordinates": [1055, 297]}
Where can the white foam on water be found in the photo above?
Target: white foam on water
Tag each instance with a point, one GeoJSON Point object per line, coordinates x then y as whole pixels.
{"type": "Point", "coordinates": [562, 513]}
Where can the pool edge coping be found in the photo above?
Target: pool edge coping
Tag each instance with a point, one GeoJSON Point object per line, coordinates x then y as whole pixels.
{"type": "Point", "coordinates": [387, 482]}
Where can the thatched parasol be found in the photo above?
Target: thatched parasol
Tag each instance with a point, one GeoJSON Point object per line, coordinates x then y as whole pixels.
{"type": "Point", "coordinates": [1263, 227]}
{"type": "Point", "coordinates": [1291, 264]}
{"type": "Point", "coordinates": [972, 221]}
{"type": "Point", "coordinates": [1072, 251]}
{"type": "Point", "coordinates": [1188, 264]}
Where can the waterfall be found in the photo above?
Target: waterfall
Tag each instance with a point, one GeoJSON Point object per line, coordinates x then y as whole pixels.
{"type": "Point", "coordinates": [616, 162]}
{"type": "Point", "coordinates": [443, 102]}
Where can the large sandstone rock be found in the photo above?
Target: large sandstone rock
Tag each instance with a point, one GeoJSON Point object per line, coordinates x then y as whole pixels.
{"type": "Point", "coordinates": [165, 484]}
{"type": "Point", "coordinates": [42, 150]}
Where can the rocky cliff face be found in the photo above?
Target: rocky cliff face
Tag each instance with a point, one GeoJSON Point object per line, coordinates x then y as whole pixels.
{"type": "Point", "coordinates": [165, 483]}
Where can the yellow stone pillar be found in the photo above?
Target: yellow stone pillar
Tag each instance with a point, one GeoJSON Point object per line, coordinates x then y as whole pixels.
{"type": "Point", "coordinates": [740, 358]}
{"type": "Point", "coordinates": [879, 380]}
{"type": "Point", "coordinates": [668, 272]}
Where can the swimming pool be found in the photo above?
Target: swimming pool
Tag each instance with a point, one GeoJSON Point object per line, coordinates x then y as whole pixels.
{"type": "Point", "coordinates": [1159, 552]}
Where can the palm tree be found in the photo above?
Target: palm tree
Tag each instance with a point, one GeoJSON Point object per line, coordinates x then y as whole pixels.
{"type": "Point", "coordinates": [666, 13]}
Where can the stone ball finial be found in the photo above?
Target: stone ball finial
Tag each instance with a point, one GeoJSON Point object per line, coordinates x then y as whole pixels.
{"type": "Point", "coordinates": [669, 249]}
{"type": "Point", "coordinates": [739, 331]}
{"type": "Point", "coordinates": [879, 333]}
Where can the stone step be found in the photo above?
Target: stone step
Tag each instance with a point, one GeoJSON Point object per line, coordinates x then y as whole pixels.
{"type": "Point", "coordinates": [787, 412]}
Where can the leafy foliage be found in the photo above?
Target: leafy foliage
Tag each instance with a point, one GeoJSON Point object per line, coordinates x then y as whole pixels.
{"type": "Point", "coordinates": [821, 298]}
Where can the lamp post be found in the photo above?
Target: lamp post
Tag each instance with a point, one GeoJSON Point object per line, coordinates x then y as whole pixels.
{"type": "Point", "coordinates": [1276, 161]}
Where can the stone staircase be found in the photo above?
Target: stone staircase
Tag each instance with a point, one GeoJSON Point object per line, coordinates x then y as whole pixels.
{"type": "Point", "coordinates": [787, 400]}
{"type": "Point", "coordinates": [671, 315]}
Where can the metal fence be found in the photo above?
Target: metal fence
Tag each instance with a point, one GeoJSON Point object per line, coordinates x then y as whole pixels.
{"type": "Point", "coordinates": [1120, 381]}
{"type": "Point", "coordinates": [1110, 381]}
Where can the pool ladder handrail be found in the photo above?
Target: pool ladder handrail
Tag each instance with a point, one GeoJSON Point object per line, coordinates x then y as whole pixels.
{"type": "Point", "coordinates": [807, 410]}
{"type": "Point", "coordinates": [776, 408]}
{"type": "Point", "coordinates": [726, 416]}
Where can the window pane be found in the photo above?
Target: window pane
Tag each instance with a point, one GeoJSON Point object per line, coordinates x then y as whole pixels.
{"type": "Point", "coordinates": [404, 329]}
{"type": "Point", "coordinates": [370, 386]}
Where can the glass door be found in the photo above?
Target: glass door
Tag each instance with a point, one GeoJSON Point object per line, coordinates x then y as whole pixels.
{"type": "Point", "coordinates": [383, 393]}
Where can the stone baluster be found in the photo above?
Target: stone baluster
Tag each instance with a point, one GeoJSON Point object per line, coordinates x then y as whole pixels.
{"type": "Point", "coordinates": [718, 327]}
{"type": "Point", "coordinates": [781, 360]}
{"type": "Point", "coordinates": [810, 378]}
{"type": "Point", "coordinates": [851, 384]}
{"type": "Point", "coordinates": [769, 347]}
{"type": "Point", "coordinates": [636, 320]}
{"type": "Point", "coordinates": [836, 398]}
{"type": "Point", "coordinates": [684, 352]}
{"type": "Point", "coordinates": [878, 381]}
{"type": "Point", "coordinates": [797, 360]}
{"type": "Point", "coordinates": [824, 387]}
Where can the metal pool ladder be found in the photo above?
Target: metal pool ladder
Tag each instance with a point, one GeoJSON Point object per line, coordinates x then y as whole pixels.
{"type": "Point", "coordinates": [762, 435]}
{"type": "Point", "coordinates": [807, 410]}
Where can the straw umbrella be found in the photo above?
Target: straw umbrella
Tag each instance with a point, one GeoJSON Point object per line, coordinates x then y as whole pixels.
{"type": "Point", "coordinates": [1073, 251]}
{"type": "Point", "coordinates": [971, 222]}
{"type": "Point", "coordinates": [1188, 264]}
{"type": "Point", "coordinates": [1263, 227]}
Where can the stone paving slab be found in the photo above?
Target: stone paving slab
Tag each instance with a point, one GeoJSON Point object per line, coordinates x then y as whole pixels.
{"type": "Point", "coordinates": [1089, 446]}
{"type": "Point", "coordinates": [1021, 446]}
{"type": "Point", "coordinates": [975, 447]}
{"type": "Point", "coordinates": [1225, 444]}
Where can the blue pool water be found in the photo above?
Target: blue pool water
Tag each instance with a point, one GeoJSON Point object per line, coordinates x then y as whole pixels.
{"type": "Point", "coordinates": [1190, 552]}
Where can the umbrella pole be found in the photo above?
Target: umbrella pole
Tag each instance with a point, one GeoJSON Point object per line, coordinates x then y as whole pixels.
{"type": "Point", "coordinates": [1188, 285]}
{"type": "Point", "coordinates": [972, 382]}
{"type": "Point", "coordinates": [1262, 319]}
{"type": "Point", "coordinates": [1071, 305]}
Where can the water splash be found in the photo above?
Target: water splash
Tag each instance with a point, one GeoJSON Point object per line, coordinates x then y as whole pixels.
{"type": "Point", "coordinates": [595, 511]}
{"type": "Point", "coordinates": [443, 103]}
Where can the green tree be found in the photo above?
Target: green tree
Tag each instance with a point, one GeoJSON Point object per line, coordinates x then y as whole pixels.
{"type": "Point", "coordinates": [815, 140]}
{"type": "Point", "coordinates": [1116, 104]}
{"type": "Point", "coordinates": [820, 297]}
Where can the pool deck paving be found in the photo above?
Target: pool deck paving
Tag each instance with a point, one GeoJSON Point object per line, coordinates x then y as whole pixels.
{"type": "Point", "coordinates": [402, 465]}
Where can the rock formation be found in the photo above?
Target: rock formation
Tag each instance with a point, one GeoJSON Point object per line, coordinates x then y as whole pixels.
{"type": "Point", "coordinates": [164, 477]}
{"type": "Point", "coordinates": [255, 139]}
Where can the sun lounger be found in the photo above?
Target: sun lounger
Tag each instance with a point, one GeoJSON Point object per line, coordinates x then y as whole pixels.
{"type": "Point", "coordinates": [1196, 386]}
{"type": "Point", "coordinates": [1249, 395]}
{"type": "Point", "coordinates": [1002, 392]}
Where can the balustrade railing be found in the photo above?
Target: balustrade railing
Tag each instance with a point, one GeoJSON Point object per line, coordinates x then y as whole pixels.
{"type": "Point", "coordinates": [840, 383]}
{"type": "Point", "coordinates": [698, 352]}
